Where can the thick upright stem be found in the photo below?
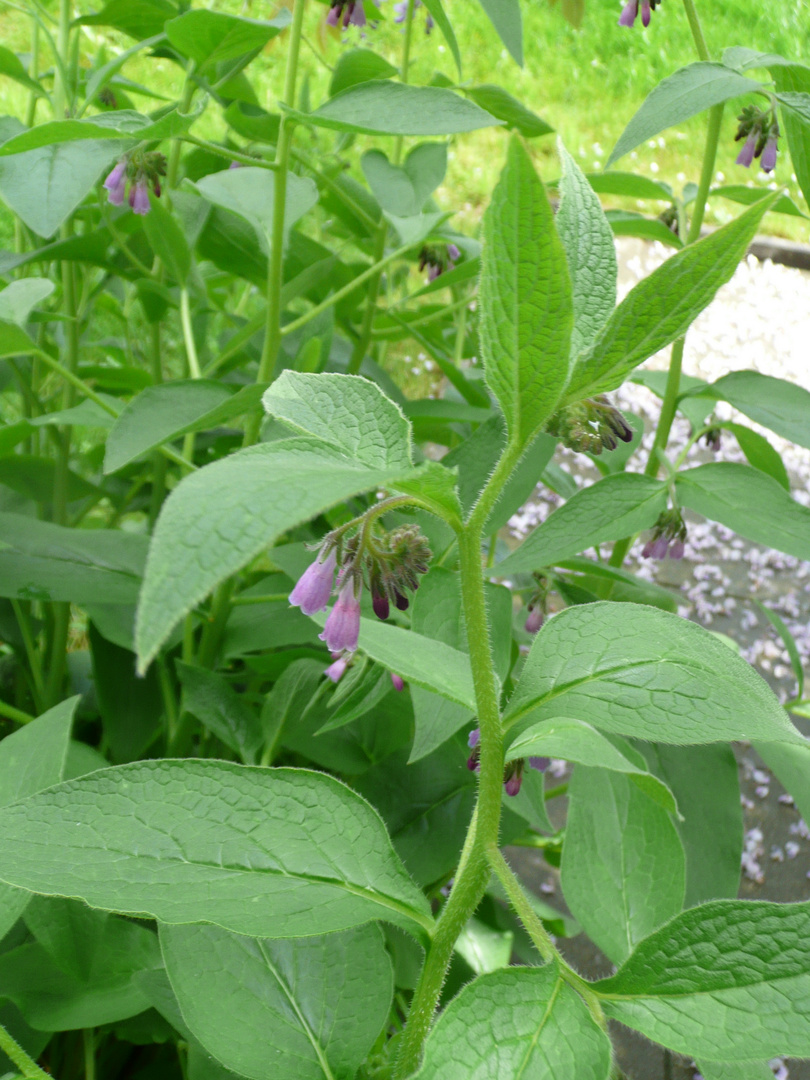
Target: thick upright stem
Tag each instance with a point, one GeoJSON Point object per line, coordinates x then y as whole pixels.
{"type": "Point", "coordinates": [26, 1064]}
{"type": "Point", "coordinates": [275, 277]}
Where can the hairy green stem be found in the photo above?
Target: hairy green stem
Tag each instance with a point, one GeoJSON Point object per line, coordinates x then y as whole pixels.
{"type": "Point", "coordinates": [158, 460]}
{"type": "Point", "coordinates": [268, 363]}
{"type": "Point", "coordinates": [17, 715]}
{"type": "Point", "coordinates": [27, 1066]}
{"type": "Point", "coordinates": [519, 901]}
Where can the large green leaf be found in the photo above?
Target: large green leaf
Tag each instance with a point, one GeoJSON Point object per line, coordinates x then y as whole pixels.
{"type": "Point", "coordinates": [380, 107]}
{"type": "Point", "coordinates": [220, 517]}
{"type": "Point", "coordinates": [638, 671]}
{"type": "Point", "coordinates": [736, 1070]}
{"type": "Point", "coordinates": [705, 781]}
{"type": "Point", "coordinates": [268, 852]}
{"type": "Point", "coordinates": [138, 18]}
{"type": "Point", "coordinates": [791, 764]}
{"type": "Point", "coordinates": [225, 713]}
{"type": "Point", "coordinates": [515, 115]}
{"type": "Point", "coordinates": [403, 190]}
{"type": "Point", "coordinates": [248, 192]}
{"type": "Point", "coordinates": [685, 94]}
{"type": "Point", "coordinates": [31, 759]}
{"type": "Point", "coordinates": [345, 411]}
{"type": "Point", "coordinates": [119, 124]}
{"type": "Point", "coordinates": [319, 1002]}
{"type": "Point", "coordinates": [663, 305]}
{"type": "Point", "coordinates": [12, 68]}
{"type": "Point", "coordinates": [513, 1024]}
{"type": "Point", "coordinates": [505, 16]}
{"type": "Point", "coordinates": [729, 980]}
{"type": "Point", "coordinates": [211, 37]}
{"type": "Point", "coordinates": [356, 66]}
{"type": "Point", "coordinates": [526, 306]}
{"type": "Point", "coordinates": [590, 251]}
{"type": "Point", "coordinates": [162, 413]}
{"type": "Point", "coordinates": [617, 506]}
{"type": "Point", "coordinates": [782, 406]}
{"type": "Point", "coordinates": [748, 501]}
{"type": "Point", "coordinates": [44, 186]}
{"type": "Point", "coordinates": [795, 78]}
{"type": "Point", "coordinates": [41, 561]}
{"type": "Point", "coordinates": [440, 17]}
{"type": "Point", "coordinates": [623, 867]}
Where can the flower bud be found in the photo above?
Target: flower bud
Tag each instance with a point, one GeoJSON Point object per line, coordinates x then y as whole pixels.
{"type": "Point", "coordinates": [768, 159]}
{"type": "Point", "coordinates": [746, 155]}
{"type": "Point", "coordinates": [335, 670]}
{"type": "Point", "coordinates": [398, 681]}
{"type": "Point", "coordinates": [540, 763]}
{"type": "Point", "coordinates": [534, 619]}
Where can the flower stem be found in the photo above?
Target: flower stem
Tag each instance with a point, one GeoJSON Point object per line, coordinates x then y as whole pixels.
{"type": "Point", "coordinates": [27, 1066]}
{"type": "Point", "coordinates": [272, 338]}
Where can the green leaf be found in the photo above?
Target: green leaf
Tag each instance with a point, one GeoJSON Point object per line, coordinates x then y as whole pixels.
{"type": "Point", "coordinates": [663, 305]}
{"type": "Point", "coordinates": [44, 186]}
{"type": "Point", "coordinates": [248, 192]}
{"type": "Point", "coordinates": [506, 18]}
{"type": "Point", "coordinates": [576, 740]}
{"type": "Point", "coordinates": [357, 66]}
{"type": "Point", "coordinates": [138, 18]}
{"type": "Point", "coordinates": [344, 411]}
{"type": "Point", "coordinates": [208, 696]}
{"type": "Point", "coordinates": [168, 241]}
{"type": "Point", "coordinates": [162, 413]}
{"type": "Point", "coordinates": [483, 948]}
{"type": "Point", "coordinates": [759, 453]}
{"type": "Point", "coordinates": [131, 708]}
{"type": "Point", "coordinates": [526, 305]}
{"type": "Point", "coordinates": [629, 223]}
{"type": "Point", "coordinates": [438, 13]}
{"type": "Point", "coordinates": [502, 105]}
{"type": "Point", "coordinates": [80, 972]}
{"type": "Point", "coordinates": [590, 251]}
{"type": "Point", "coordinates": [211, 37]}
{"type": "Point", "coordinates": [404, 189]}
{"type": "Point", "coordinates": [610, 509]}
{"type": "Point", "coordinates": [522, 1022]}
{"type": "Point", "coordinates": [630, 184]}
{"type": "Point", "coordinates": [795, 78]}
{"type": "Point", "coordinates": [31, 759]}
{"type": "Point", "coordinates": [738, 1070]}
{"type": "Point", "coordinates": [782, 406]}
{"type": "Point", "coordinates": [685, 94]}
{"type": "Point", "coordinates": [118, 124]}
{"type": "Point", "coordinates": [748, 501]}
{"type": "Point", "coordinates": [729, 980]}
{"type": "Point", "coordinates": [623, 866]}
{"type": "Point", "coordinates": [19, 298]}
{"type": "Point", "coordinates": [265, 852]}
{"type": "Point", "coordinates": [11, 67]}
{"type": "Point", "coordinates": [644, 673]}
{"type": "Point", "coordinates": [739, 193]}
{"type": "Point", "coordinates": [219, 518]}
{"type": "Point", "coordinates": [435, 485]}
{"type": "Point", "coordinates": [42, 561]}
{"type": "Point", "coordinates": [319, 1002]}
{"type": "Point", "coordinates": [791, 765]}
{"type": "Point", "coordinates": [379, 107]}
{"type": "Point", "coordinates": [789, 642]}
{"type": "Point", "coordinates": [705, 782]}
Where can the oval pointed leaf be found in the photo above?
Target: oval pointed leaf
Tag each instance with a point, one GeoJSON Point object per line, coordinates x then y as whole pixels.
{"type": "Point", "coordinates": [729, 979]}
{"type": "Point", "coordinates": [663, 306]}
{"type": "Point", "coordinates": [526, 306]}
{"type": "Point", "coordinates": [782, 406]}
{"type": "Point", "coordinates": [319, 1002]}
{"type": "Point", "coordinates": [645, 673]}
{"type": "Point", "coordinates": [266, 852]}
{"type": "Point", "coordinates": [513, 1025]}
{"type": "Point", "coordinates": [211, 37]}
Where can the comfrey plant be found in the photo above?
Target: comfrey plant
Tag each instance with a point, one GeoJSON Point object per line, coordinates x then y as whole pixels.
{"type": "Point", "coordinates": [274, 696]}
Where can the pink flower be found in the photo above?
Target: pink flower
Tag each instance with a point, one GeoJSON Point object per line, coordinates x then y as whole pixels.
{"type": "Point", "coordinates": [335, 671]}
{"type": "Point", "coordinates": [314, 587]}
{"type": "Point", "coordinates": [398, 681]}
{"type": "Point", "coordinates": [512, 785]}
{"type": "Point", "coordinates": [116, 184]}
{"type": "Point", "coordinates": [768, 159]}
{"type": "Point", "coordinates": [139, 197]}
{"type": "Point", "coordinates": [474, 738]}
{"type": "Point", "coordinates": [342, 627]}
{"type": "Point", "coordinates": [629, 13]}
{"type": "Point", "coordinates": [356, 15]}
{"type": "Point", "coordinates": [540, 763]}
{"type": "Point", "coordinates": [534, 620]}
{"type": "Point", "coordinates": [746, 155]}
{"type": "Point", "coordinates": [333, 18]}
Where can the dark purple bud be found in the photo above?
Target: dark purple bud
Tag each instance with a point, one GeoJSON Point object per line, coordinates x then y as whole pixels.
{"type": "Point", "coordinates": [428, 23]}
{"type": "Point", "coordinates": [472, 761]}
{"type": "Point", "coordinates": [333, 18]}
{"type": "Point", "coordinates": [645, 12]}
{"type": "Point", "coordinates": [474, 738]}
{"type": "Point", "coordinates": [342, 627]}
{"type": "Point", "coordinates": [357, 16]}
{"type": "Point", "coordinates": [335, 671]}
{"type": "Point", "coordinates": [534, 620]}
{"type": "Point", "coordinates": [401, 601]}
{"type": "Point", "coordinates": [453, 253]}
{"type": "Point", "coordinates": [139, 197]}
{"type": "Point", "coordinates": [398, 681]}
{"type": "Point", "coordinates": [660, 548]}
{"type": "Point", "coordinates": [433, 271]}
{"type": "Point", "coordinates": [116, 184]}
{"type": "Point", "coordinates": [379, 601]}
{"type": "Point", "coordinates": [512, 785]}
{"type": "Point", "coordinates": [646, 551]}
{"type": "Point", "coordinates": [314, 587]}
{"type": "Point", "coordinates": [540, 763]}
{"type": "Point", "coordinates": [768, 159]}
{"type": "Point", "coordinates": [676, 550]}
{"type": "Point", "coordinates": [746, 155]}
{"type": "Point", "coordinates": [629, 13]}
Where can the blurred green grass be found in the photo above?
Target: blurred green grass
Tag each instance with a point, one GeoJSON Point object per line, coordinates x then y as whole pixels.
{"type": "Point", "coordinates": [587, 83]}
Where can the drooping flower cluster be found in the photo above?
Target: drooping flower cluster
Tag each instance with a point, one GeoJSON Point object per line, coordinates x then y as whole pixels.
{"type": "Point", "coordinates": [141, 171]}
{"type": "Point", "coordinates": [630, 12]}
{"type": "Point", "coordinates": [590, 426]}
{"type": "Point", "coordinates": [512, 771]}
{"type": "Point", "coordinates": [437, 261]}
{"type": "Point", "coordinates": [388, 562]}
{"type": "Point", "coordinates": [668, 536]}
{"type": "Point", "coordinates": [760, 130]}
{"type": "Point", "coordinates": [537, 605]}
{"type": "Point", "coordinates": [347, 12]}
{"type": "Point", "coordinates": [401, 13]}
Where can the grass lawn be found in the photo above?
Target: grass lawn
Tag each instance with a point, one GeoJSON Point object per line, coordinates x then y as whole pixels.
{"type": "Point", "coordinates": [587, 83]}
